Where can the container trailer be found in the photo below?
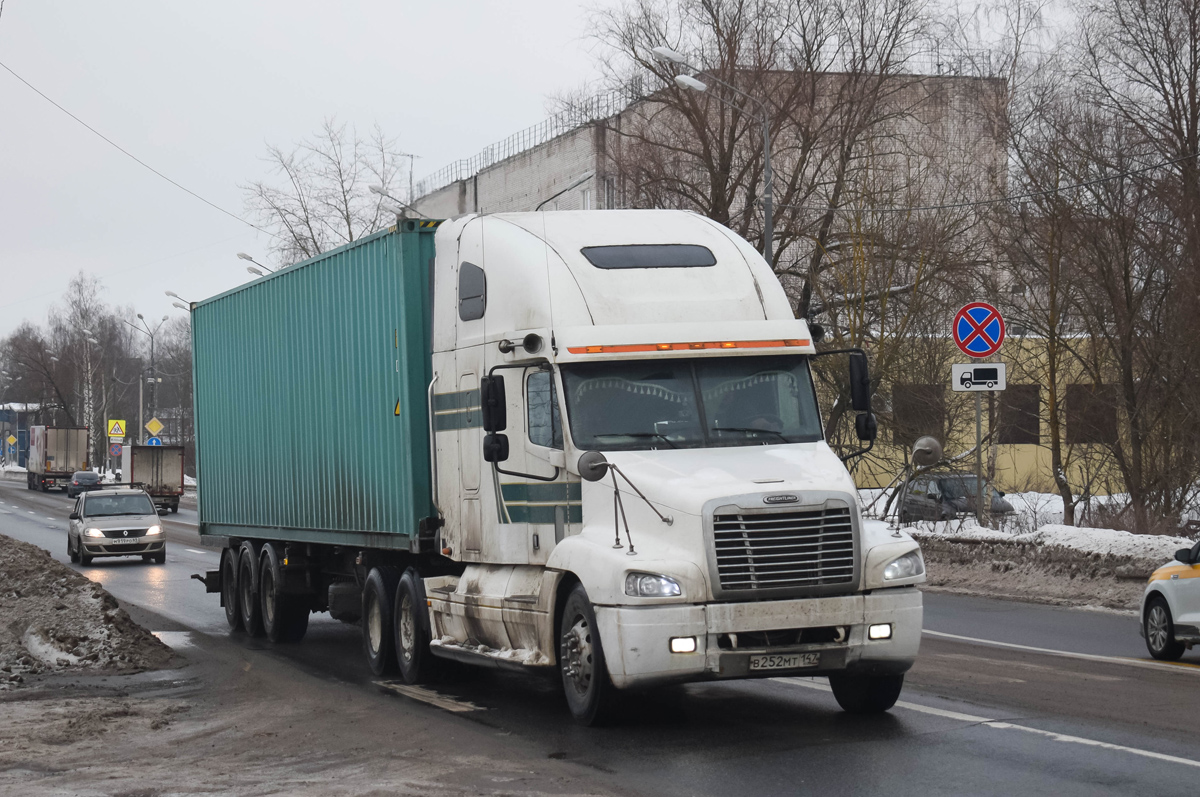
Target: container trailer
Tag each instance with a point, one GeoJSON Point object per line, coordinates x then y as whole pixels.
{"type": "Point", "coordinates": [585, 443]}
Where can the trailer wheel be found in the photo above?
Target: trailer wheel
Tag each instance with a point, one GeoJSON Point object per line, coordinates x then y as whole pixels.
{"type": "Point", "coordinates": [285, 617]}
{"type": "Point", "coordinates": [379, 601]}
{"type": "Point", "coordinates": [412, 629]}
{"type": "Point", "coordinates": [590, 693]}
{"type": "Point", "coordinates": [866, 694]}
{"type": "Point", "coordinates": [248, 590]}
{"type": "Point", "coordinates": [230, 595]}
{"type": "Point", "coordinates": [174, 508]}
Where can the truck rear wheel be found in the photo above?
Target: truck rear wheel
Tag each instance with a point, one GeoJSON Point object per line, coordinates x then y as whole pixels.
{"type": "Point", "coordinates": [379, 601]}
{"type": "Point", "coordinates": [866, 694]}
{"type": "Point", "coordinates": [412, 629]}
{"type": "Point", "coordinates": [230, 595]}
{"type": "Point", "coordinates": [284, 617]}
{"type": "Point", "coordinates": [248, 590]}
{"type": "Point", "coordinates": [590, 693]}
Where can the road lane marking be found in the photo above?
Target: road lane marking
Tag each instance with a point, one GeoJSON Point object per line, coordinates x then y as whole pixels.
{"type": "Point", "coordinates": [193, 550]}
{"type": "Point", "coordinates": [1149, 665]}
{"type": "Point", "coordinates": [1002, 725]}
{"type": "Point", "coordinates": [428, 696]}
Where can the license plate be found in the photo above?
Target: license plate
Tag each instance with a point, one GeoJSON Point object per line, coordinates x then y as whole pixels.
{"type": "Point", "coordinates": [788, 661]}
{"type": "Point", "coordinates": [122, 541]}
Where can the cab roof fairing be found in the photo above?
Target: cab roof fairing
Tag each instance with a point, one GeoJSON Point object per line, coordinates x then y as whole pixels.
{"type": "Point", "coordinates": [538, 277]}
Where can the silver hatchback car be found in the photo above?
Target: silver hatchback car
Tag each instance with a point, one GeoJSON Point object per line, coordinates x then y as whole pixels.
{"type": "Point", "coordinates": [118, 522]}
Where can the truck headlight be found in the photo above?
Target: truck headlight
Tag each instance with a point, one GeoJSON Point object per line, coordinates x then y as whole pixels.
{"type": "Point", "coordinates": [648, 585]}
{"type": "Point", "coordinates": [153, 530]}
{"type": "Point", "coordinates": [93, 533]}
{"type": "Point", "coordinates": [906, 566]}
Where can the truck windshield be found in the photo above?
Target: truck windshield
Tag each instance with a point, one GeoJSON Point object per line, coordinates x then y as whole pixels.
{"type": "Point", "coordinates": [110, 505]}
{"type": "Point", "coordinates": [701, 402]}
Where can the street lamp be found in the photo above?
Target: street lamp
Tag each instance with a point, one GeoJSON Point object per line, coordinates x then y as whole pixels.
{"type": "Point", "coordinates": [244, 256]}
{"type": "Point", "coordinates": [175, 295]}
{"type": "Point", "coordinates": [145, 330]}
{"type": "Point", "coordinates": [403, 206]}
{"type": "Point", "coordinates": [691, 83]}
{"type": "Point", "coordinates": [181, 306]}
{"type": "Point", "coordinates": [256, 272]}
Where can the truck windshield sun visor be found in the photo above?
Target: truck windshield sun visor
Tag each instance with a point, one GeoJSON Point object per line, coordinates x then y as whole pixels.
{"type": "Point", "coordinates": [691, 403]}
{"type": "Point", "coordinates": [649, 256]}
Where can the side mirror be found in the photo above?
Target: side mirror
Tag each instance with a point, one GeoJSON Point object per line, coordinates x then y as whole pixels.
{"type": "Point", "coordinates": [1184, 555]}
{"type": "Point", "coordinates": [592, 466]}
{"type": "Point", "coordinates": [860, 385]}
{"type": "Point", "coordinates": [494, 407]}
{"type": "Point", "coordinates": [495, 447]}
{"type": "Point", "coordinates": [73, 516]}
{"type": "Point", "coordinates": [866, 427]}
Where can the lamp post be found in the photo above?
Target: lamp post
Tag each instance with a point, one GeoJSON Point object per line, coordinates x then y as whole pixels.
{"type": "Point", "coordinates": [145, 330]}
{"type": "Point", "coordinates": [691, 83]}
{"type": "Point", "coordinates": [400, 208]}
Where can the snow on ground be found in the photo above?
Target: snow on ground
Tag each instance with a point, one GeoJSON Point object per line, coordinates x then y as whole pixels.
{"type": "Point", "coordinates": [7, 468]}
{"type": "Point", "coordinates": [188, 481]}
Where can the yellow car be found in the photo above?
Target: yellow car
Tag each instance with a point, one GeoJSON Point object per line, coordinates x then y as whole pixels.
{"type": "Point", "coordinates": [1171, 606]}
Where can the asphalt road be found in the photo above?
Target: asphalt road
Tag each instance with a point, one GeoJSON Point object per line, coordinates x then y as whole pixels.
{"type": "Point", "coordinates": [1006, 698]}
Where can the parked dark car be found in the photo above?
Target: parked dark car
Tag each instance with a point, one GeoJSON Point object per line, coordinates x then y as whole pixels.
{"type": "Point", "coordinates": [946, 496]}
{"type": "Point", "coordinates": [83, 481]}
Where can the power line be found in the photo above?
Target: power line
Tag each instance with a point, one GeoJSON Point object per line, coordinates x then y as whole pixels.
{"type": "Point", "coordinates": [126, 152]}
{"type": "Point", "coordinates": [1010, 197]}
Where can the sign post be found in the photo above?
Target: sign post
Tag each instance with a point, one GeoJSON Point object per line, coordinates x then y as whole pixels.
{"type": "Point", "coordinates": [978, 331]}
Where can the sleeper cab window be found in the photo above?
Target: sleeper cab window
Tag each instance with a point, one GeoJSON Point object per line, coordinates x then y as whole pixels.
{"type": "Point", "coordinates": [472, 292]}
{"type": "Point", "coordinates": [545, 425]}
{"type": "Point", "coordinates": [649, 256]}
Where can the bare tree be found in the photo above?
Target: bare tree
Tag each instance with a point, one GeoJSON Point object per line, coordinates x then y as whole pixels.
{"type": "Point", "coordinates": [319, 197]}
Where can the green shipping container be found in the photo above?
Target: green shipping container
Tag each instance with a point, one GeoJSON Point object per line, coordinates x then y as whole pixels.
{"type": "Point", "coordinates": [310, 394]}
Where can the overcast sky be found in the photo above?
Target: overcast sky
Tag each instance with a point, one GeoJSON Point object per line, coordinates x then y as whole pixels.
{"type": "Point", "coordinates": [197, 90]}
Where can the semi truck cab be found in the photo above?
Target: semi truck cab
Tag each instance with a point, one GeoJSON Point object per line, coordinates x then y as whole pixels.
{"type": "Point", "coordinates": [722, 536]}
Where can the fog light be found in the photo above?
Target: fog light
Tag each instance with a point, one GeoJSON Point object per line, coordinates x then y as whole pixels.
{"type": "Point", "coordinates": [683, 644]}
{"type": "Point", "coordinates": [880, 631]}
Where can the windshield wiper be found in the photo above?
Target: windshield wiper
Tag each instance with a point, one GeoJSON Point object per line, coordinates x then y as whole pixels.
{"type": "Point", "coordinates": [640, 436]}
{"type": "Point", "coordinates": [750, 430]}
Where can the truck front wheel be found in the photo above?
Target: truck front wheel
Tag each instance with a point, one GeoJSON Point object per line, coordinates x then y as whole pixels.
{"type": "Point", "coordinates": [590, 693]}
{"type": "Point", "coordinates": [412, 629]}
{"type": "Point", "coordinates": [866, 694]}
{"type": "Point", "coordinates": [379, 601]}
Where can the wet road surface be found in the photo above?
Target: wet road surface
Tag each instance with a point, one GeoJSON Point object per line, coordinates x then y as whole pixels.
{"type": "Point", "coordinates": [1005, 698]}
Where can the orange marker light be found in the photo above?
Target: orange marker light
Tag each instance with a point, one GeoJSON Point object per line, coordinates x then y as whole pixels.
{"type": "Point", "coordinates": [627, 348]}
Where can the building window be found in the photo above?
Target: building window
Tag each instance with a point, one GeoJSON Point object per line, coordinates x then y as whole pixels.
{"type": "Point", "coordinates": [472, 292]}
{"type": "Point", "coordinates": [917, 410]}
{"type": "Point", "coordinates": [610, 192]}
{"type": "Point", "coordinates": [1018, 415]}
{"type": "Point", "coordinates": [1091, 412]}
{"type": "Point", "coordinates": [585, 199]}
{"type": "Point", "coordinates": [545, 424]}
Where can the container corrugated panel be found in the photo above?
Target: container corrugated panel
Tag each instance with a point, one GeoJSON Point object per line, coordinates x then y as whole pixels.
{"type": "Point", "coordinates": [310, 394]}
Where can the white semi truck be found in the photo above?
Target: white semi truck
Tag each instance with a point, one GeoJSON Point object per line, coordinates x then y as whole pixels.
{"type": "Point", "coordinates": [55, 454]}
{"type": "Point", "coordinates": [587, 441]}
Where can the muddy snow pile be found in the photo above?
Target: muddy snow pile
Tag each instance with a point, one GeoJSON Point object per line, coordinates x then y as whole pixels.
{"type": "Point", "coordinates": [52, 618]}
{"type": "Point", "coordinates": [1054, 563]}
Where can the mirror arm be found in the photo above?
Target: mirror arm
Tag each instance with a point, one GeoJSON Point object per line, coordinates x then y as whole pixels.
{"type": "Point", "coordinates": [857, 453]}
{"type": "Point", "coordinates": [557, 472]}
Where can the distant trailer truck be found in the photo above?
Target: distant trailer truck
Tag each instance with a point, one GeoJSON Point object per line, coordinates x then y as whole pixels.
{"type": "Point", "coordinates": [55, 453]}
{"type": "Point", "coordinates": [158, 469]}
{"type": "Point", "coordinates": [579, 442]}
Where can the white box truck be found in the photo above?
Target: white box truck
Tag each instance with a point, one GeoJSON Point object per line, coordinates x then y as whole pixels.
{"type": "Point", "coordinates": [586, 442]}
{"type": "Point", "coordinates": [55, 453]}
{"type": "Point", "coordinates": [156, 469]}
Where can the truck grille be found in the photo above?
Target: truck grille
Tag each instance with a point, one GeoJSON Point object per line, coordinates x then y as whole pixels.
{"type": "Point", "coordinates": [795, 550]}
